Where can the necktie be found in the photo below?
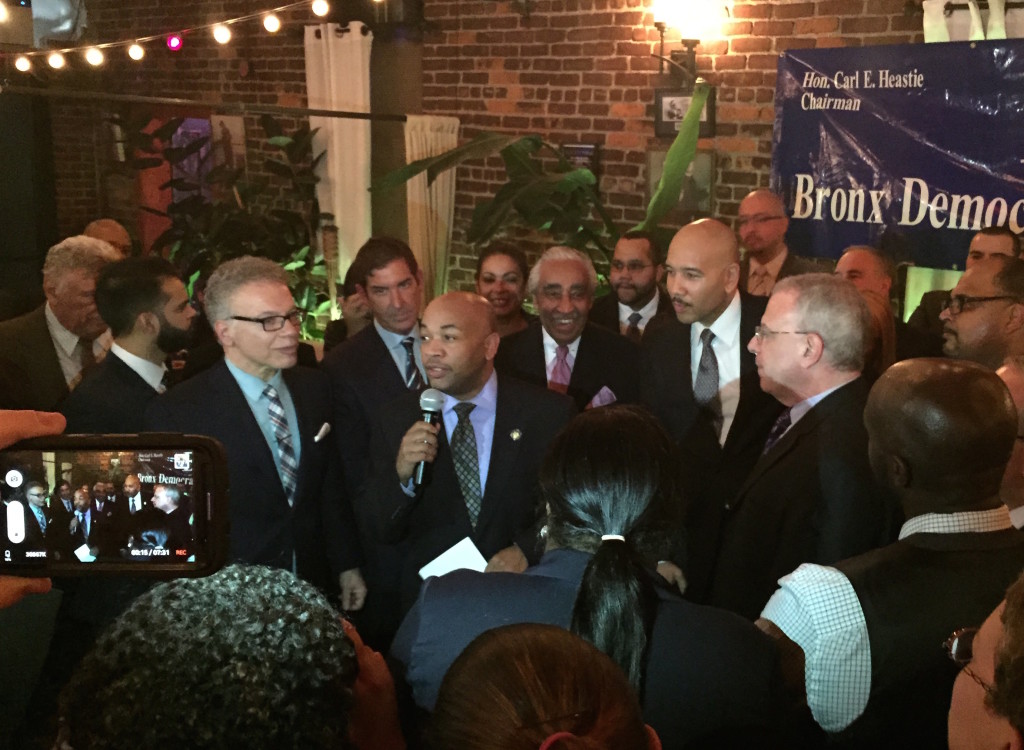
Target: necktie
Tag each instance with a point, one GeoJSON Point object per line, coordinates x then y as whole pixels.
{"type": "Point", "coordinates": [561, 374]}
{"type": "Point", "coordinates": [778, 429]}
{"type": "Point", "coordinates": [413, 377]}
{"type": "Point", "coordinates": [165, 382]}
{"type": "Point", "coordinates": [705, 387]}
{"type": "Point", "coordinates": [283, 436]}
{"type": "Point", "coordinates": [759, 283]}
{"type": "Point", "coordinates": [467, 469]}
{"type": "Point", "coordinates": [633, 329]}
{"type": "Point", "coordinates": [87, 360]}
{"type": "Point", "coordinates": [41, 518]}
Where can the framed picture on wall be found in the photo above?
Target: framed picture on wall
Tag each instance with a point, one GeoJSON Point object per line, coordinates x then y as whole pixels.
{"type": "Point", "coordinates": [697, 198]}
{"type": "Point", "coordinates": [670, 106]}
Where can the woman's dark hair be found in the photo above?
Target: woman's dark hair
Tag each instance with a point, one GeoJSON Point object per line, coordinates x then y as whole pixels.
{"type": "Point", "coordinates": [516, 685]}
{"type": "Point", "coordinates": [612, 471]}
{"type": "Point", "coordinates": [504, 248]}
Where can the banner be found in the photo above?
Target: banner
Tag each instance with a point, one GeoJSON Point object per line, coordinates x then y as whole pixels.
{"type": "Point", "coordinates": [910, 148]}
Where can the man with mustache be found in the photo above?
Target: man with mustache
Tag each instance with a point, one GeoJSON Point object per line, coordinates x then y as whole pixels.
{"type": "Point", "coordinates": [562, 350]}
{"type": "Point", "coordinates": [635, 276]}
{"type": "Point", "coordinates": [701, 381]}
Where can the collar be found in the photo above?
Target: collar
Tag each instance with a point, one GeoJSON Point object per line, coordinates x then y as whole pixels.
{"type": "Point", "coordinates": [726, 326]}
{"type": "Point", "coordinates": [798, 410]}
{"type": "Point", "coordinates": [550, 345]}
{"type": "Point", "coordinates": [152, 373]}
{"type": "Point", "coordinates": [394, 340]}
{"type": "Point", "coordinates": [973, 521]}
{"type": "Point", "coordinates": [61, 336]}
{"type": "Point", "coordinates": [646, 312]}
{"type": "Point", "coordinates": [486, 400]}
{"type": "Point", "coordinates": [251, 385]}
{"type": "Point", "coordinates": [772, 267]}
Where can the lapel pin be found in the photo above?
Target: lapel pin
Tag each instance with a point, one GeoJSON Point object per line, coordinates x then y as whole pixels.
{"type": "Point", "coordinates": [515, 434]}
{"type": "Point", "coordinates": [324, 430]}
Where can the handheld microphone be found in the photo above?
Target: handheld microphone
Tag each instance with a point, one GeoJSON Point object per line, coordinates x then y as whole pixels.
{"type": "Point", "coordinates": [431, 403]}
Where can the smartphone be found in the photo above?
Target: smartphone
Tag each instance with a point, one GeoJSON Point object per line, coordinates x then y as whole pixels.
{"type": "Point", "coordinates": [150, 505]}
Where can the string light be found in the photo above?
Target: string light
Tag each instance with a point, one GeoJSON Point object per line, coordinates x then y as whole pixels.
{"type": "Point", "coordinates": [4, 15]}
{"type": "Point", "coordinates": [174, 42]}
{"type": "Point", "coordinates": [23, 64]}
{"type": "Point", "coordinates": [94, 56]}
{"type": "Point", "coordinates": [221, 34]}
{"type": "Point", "coordinates": [320, 8]}
{"type": "Point", "coordinates": [271, 23]}
{"type": "Point", "coordinates": [136, 52]}
{"type": "Point", "coordinates": [56, 60]}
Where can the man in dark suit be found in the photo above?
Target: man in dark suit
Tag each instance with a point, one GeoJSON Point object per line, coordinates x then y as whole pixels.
{"type": "Point", "coordinates": [288, 507]}
{"type": "Point", "coordinates": [484, 454]}
{"type": "Point", "coordinates": [707, 394]}
{"type": "Point", "coordinates": [762, 227]}
{"type": "Point", "coordinates": [983, 320]}
{"type": "Point", "coordinates": [149, 313]}
{"type": "Point", "coordinates": [43, 353]}
{"type": "Point", "coordinates": [561, 350]}
{"type": "Point", "coordinates": [636, 296]}
{"type": "Point", "coordinates": [811, 496]}
{"type": "Point", "coordinates": [37, 516]}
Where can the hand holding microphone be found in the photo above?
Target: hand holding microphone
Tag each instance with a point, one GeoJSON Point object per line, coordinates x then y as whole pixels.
{"type": "Point", "coordinates": [419, 445]}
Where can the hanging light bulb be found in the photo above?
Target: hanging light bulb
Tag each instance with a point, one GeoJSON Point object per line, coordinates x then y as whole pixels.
{"type": "Point", "coordinates": [136, 52]}
{"type": "Point", "coordinates": [4, 15]}
{"type": "Point", "coordinates": [56, 60]}
{"type": "Point", "coordinates": [320, 7]}
{"type": "Point", "coordinates": [94, 56]}
{"type": "Point", "coordinates": [221, 33]}
{"type": "Point", "coordinates": [174, 42]}
{"type": "Point", "coordinates": [271, 23]}
{"type": "Point", "coordinates": [23, 64]}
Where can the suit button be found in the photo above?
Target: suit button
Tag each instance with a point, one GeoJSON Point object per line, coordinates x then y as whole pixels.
{"type": "Point", "coordinates": [728, 506]}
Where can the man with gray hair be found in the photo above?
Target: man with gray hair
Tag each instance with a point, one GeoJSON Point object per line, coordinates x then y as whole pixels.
{"type": "Point", "coordinates": [44, 353]}
{"type": "Point", "coordinates": [562, 350]}
{"type": "Point", "coordinates": [811, 496]}
{"type": "Point", "coordinates": [288, 507]}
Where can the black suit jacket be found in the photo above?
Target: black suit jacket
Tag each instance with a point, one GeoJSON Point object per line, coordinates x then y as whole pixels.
{"type": "Point", "coordinates": [793, 265]}
{"type": "Point", "coordinates": [711, 473]}
{"type": "Point", "coordinates": [111, 398]}
{"type": "Point", "coordinates": [811, 498]}
{"type": "Point", "coordinates": [605, 311]}
{"type": "Point", "coordinates": [318, 528]}
{"type": "Point", "coordinates": [926, 317]}
{"type": "Point", "coordinates": [603, 359]}
{"type": "Point", "coordinates": [526, 420]}
{"type": "Point", "coordinates": [29, 369]}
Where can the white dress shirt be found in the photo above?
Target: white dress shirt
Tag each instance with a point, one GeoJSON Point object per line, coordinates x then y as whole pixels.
{"type": "Point", "coordinates": [647, 312]}
{"type": "Point", "coordinates": [152, 373]}
{"type": "Point", "coordinates": [69, 352]}
{"type": "Point", "coordinates": [727, 347]}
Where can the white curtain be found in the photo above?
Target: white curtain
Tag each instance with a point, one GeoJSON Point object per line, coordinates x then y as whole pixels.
{"type": "Point", "coordinates": [431, 209]}
{"type": "Point", "coordinates": [338, 77]}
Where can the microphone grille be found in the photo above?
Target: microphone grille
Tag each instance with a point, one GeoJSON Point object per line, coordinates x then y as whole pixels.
{"type": "Point", "coordinates": [432, 400]}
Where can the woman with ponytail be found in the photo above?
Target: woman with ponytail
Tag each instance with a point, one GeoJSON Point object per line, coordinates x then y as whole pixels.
{"type": "Point", "coordinates": [610, 489]}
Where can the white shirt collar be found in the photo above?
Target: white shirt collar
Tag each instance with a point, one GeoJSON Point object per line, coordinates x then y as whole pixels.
{"type": "Point", "coordinates": [646, 312]}
{"type": "Point", "coordinates": [152, 373]}
{"type": "Point", "coordinates": [726, 326]}
{"type": "Point", "coordinates": [486, 400]}
{"type": "Point", "coordinates": [550, 346]}
{"type": "Point", "coordinates": [974, 521]}
{"type": "Point", "coordinates": [61, 336]}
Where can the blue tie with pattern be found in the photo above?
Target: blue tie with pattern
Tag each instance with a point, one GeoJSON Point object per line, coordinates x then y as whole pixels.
{"type": "Point", "coordinates": [467, 468]}
{"type": "Point", "coordinates": [283, 436]}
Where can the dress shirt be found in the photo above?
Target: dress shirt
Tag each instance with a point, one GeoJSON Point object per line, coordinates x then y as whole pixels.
{"type": "Point", "coordinates": [40, 517]}
{"type": "Point", "coordinates": [800, 409]}
{"type": "Point", "coordinates": [551, 353]}
{"type": "Point", "coordinates": [647, 312]}
{"type": "Point", "coordinates": [726, 345]}
{"type": "Point", "coordinates": [482, 419]}
{"type": "Point", "coordinates": [817, 608]}
{"type": "Point", "coordinates": [253, 387]}
{"type": "Point", "coordinates": [770, 269]}
{"type": "Point", "coordinates": [152, 373]}
{"type": "Point", "coordinates": [393, 341]}
{"type": "Point", "coordinates": [135, 502]}
{"type": "Point", "coordinates": [68, 350]}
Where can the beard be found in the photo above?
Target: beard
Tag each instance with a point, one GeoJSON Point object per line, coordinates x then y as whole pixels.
{"type": "Point", "coordinates": [173, 339]}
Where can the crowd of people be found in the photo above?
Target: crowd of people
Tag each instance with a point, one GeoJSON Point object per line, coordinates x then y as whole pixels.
{"type": "Point", "coordinates": [734, 501]}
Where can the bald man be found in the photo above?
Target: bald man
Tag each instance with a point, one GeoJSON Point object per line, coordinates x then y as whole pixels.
{"type": "Point", "coordinates": [762, 225]}
{"type": "Point", "coordinates": [111, 232]}
{"type": "Point", "coordinates": [701, 381]}
{"type": "Point", "coordinates": [483, 455]}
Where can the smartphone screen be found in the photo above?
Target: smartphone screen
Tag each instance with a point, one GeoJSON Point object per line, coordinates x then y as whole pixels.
{"type": "Point", "coordinates": [125, 505]}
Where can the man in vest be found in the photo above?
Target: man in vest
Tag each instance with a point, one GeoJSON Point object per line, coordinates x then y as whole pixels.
{"type": "Point", "coordinates": [866, 632]}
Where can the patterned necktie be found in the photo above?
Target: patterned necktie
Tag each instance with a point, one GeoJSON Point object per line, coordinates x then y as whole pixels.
{"type": "Point", "coordinates": [285, 449]}
{"type": "Point", "coordinates": [705, 387]}
{"type": "Point", "coordinates": [633, 329]}
{"type": "Point", "coordinates": [413, 377]}
{"type": "Point", "coordinates": [778, 430]}
{"type": "Point", "coordinates": [466, 466]}
{"type": "Point", "coordinates": [561, 374]}
{"type": "Point", "coordinates": [760, 282]}
{"type": "Point", "coordinates": [86, 359]}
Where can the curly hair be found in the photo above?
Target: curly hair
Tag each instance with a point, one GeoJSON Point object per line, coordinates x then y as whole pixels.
{"type": "Point", "coordinates": [248, 657]}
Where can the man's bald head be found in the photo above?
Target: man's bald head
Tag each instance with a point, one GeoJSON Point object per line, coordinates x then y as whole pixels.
{"type": "Point", "coordinates": [112, 233]}
{"type": "Point", "coordinates": [460, 339]}
{"type": "Point", "coordinates": [702, 271]}
{"type": "Point", "coordinates": [942, 427]}
{"type": "Point", "coordinates": [762, 224]}
{"type": "Point", "coordinates": [867, 269]}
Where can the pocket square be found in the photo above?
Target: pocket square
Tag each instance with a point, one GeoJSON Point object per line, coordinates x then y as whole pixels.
{"type": "Point", "coordinates": [325, 430]}
{"type": "Point", "coordinates": [603, 397]}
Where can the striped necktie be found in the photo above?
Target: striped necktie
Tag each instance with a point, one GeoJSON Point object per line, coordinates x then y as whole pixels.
{"type": "Point", "coordinates": [413, 377]}
{"type": "Point", "coordinates": [285, 449]}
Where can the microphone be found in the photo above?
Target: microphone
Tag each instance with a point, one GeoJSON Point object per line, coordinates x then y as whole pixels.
{"type": "Point", "coordinates": [431, 403]}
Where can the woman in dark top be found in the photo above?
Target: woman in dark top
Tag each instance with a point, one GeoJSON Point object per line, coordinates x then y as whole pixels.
{"type": "Point", "coordinates": [501, 273]}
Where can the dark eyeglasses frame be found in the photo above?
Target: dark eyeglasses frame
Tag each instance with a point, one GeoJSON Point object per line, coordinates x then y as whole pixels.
{"type": "Point", "coordinates": [273, 323]}
{"type": "Point", "coordinates": [957, 302]}
{"type": "Point", "coordinates": [960, 649]}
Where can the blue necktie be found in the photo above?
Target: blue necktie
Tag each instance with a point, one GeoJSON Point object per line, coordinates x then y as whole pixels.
{"type": "Point", "coordinates": [285, 448]}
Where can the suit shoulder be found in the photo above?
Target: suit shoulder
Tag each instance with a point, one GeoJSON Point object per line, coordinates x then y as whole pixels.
{"type": "Point", "coordinates": [668, 332]}
{"type": "Point", "coordinates": [614, 342]}
{"type": "Point", "coordinates": [30, 324]}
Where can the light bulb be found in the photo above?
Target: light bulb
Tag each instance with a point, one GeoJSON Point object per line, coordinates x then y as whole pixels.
{"type": "Point", "coordinates": [4, 15]}
{"type": "Point", "coordinates": [23, 64]}
{"type": "Point", "coordinates": [174, 42]}
{"type": "Point", "coordinates": [56, 60]}
{"type": "Point", "coordinates": [221, 33]}
{"type": "Point", "coordinates": [94, 56]}
{"type": "Point", "coordinates": [320, 8]}
{"type": "Point", "coordinates": [136, 52]}
{"type": "Point", "coordinates": [271, 23]}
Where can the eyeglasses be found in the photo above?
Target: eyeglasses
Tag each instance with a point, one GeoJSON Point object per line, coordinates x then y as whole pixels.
{"type": "Point", "coordinates": [957, 302]}
{"type": "Point", "coordinates": [764, 332]}
{"type": "Point", "coordinates": [757, 220]}
{"type": "Point", "coordinates": [273, 323]}
{"type": "Point", "coordinates": [960, 648]}
{"type": "Point", "coordinates": [634, 266]}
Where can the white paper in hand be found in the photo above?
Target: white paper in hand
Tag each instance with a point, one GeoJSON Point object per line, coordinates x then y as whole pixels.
{"type": "Point", "coordinates": [462, 555]}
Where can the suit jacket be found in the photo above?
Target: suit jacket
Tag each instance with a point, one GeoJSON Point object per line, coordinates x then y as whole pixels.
{"type": "Point", "coordinates": [603, 359]}
{"type": "Point", "coordinates": [265, 530]}
{"type": "Point", "coordinates": [526, 420]}
{"type": "Point", "coordinates": [811, 498]}
{"type": "Point", "coordinates": [912, 342]}
{"type": "Point", "coordinates": [793, 265]}
{"type": "Point", "coordinates": [605, 311]}
{"type": "Point", "coordinates": [31, 373]}
{"type": "Point", "coordinates": [926, 317]}
{"type": "Point", "coordinates": [712, 473]}
{"type": "Point", "coordinates": [111, 398]}
{"type": "Point", "coordinates": [727, 686]}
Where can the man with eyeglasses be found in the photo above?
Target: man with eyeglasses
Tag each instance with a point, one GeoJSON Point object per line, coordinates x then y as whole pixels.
{"type": "Point", "coordinates": [288, 506]}
{"type": "Point", "coordinates": [762, 225]}
{"type": "Point", "coordinates": [636, 296]}
{"type": "Point", "coordinates": [983, 318]}
{"type": "Point", "coordinates": [810, 497]}
{"type": "Point", "coordinates": [865, 634]}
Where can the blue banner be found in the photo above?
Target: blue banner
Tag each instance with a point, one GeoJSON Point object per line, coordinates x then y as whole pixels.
{"type": "Point", "coordinates": [912, 148]}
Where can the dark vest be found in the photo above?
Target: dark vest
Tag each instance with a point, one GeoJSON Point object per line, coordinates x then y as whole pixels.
{"type": "Point", "coordinates": [914, 593]}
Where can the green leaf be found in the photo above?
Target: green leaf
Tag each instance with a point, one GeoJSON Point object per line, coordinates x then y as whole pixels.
{"type": "Point", "coordinates": [168, 129]}
{"type": "Point", "coordinates": [178, 154]}
{"type": "Point", "coordinates": [280, 141]}
{"type": "Point", "coordinates": [482, 146]}
{"type": "Point", "coordinates": [278, 167]}
{"type": "Point", "coordinates": [271, 126]}
{"type": "Point", "coordinates": [301, 254]}
{"type": "Point", "coordinates": [179, 184]}
{"type": "Point", "coordinates": [295, 265]}
{"type": "Point", "coordinates": [518, 158]}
